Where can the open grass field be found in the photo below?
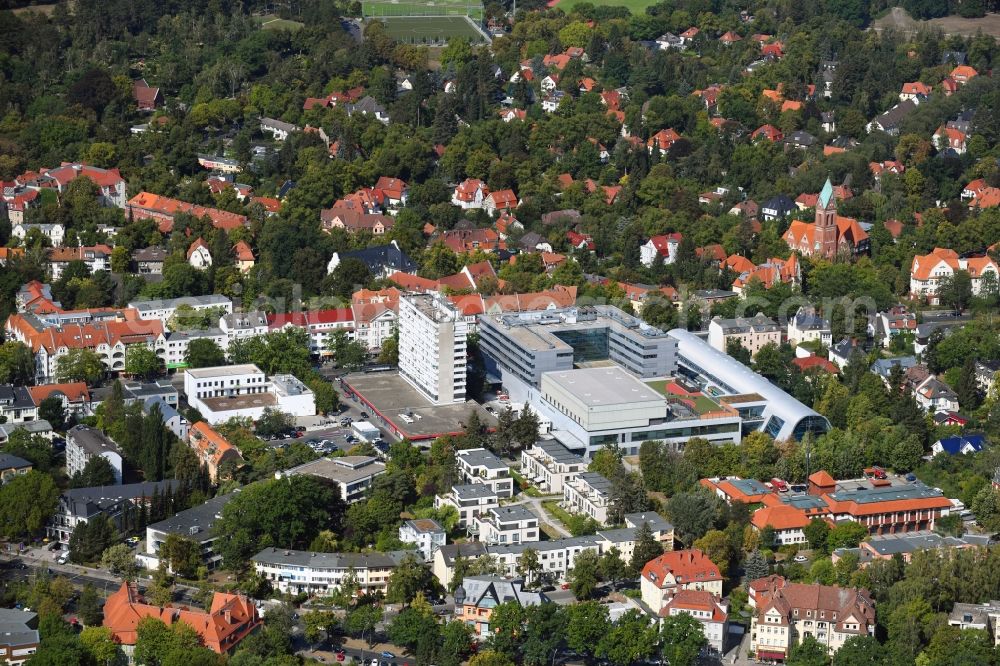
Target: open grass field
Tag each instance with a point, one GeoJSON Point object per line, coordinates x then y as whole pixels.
{"type": "Point", "coordinates": [634, 6]}
{"type": "Point", "coordinates": [899, 19]}
{"type": "Point", "coordinates": [272, 22]}
{"type": "Point", "coordinates": [46, 9]}
{"type": "Point", "coordinates": [382, 8]}
{"type": "Point", "coordinates": [430, 29]}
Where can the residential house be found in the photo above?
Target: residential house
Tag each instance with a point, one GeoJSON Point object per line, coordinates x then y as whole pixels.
{"type": "Point", "coordinates": [506, 525]}
{"type": "Point", "coordinates": [17, 405]}
{"type": "Point", "coordinates": [708, 610]}
{"type": "Point", "coordinates": [56, 233]}
{"type": "Point", "coordinates": [550, 465]}
{"type": "Point", "coordinates": [80, 505]}
{"type": "Point", "coordinates": [890, 121]}
{"type": "Point", "coordinates": [662, 248]}
{"type": "Point", "coordinates": [808, 326]}
{"type": "Point", "coordinates": [949, 139]}
{"type": "Point", "coordinates": [767, 133]}
{"type": "Point", "coordinates": [352, 475]}
{"type": "Point", "coordinates": [147, 98]}
{"type": "Point", "coordinates": [12, 466]}
{"type": "Point", "coordinates": [149, 260]}
{"type": "Point", "coordinates": [751, 333]}
{"type": "Point", "coordinates": [19, 638]}
{"type": "Point", "coordinates": [163, 209]}
{"type": "Point", "coordinates": [588, 494]}
{"type": "Point", "coordinates": [196, 524]}
{"type": "Point", "coordinates": [231, 618]}
{"type": "Point", "coordinates": [213, 450]}
{"type": "Point", "coordinates": [375, 316]}
{"type": "Point", "coordinates": [982, 617]}
{"type": "Point", "coordinates": [381, 260]}
{"type": "Point", "coordinates": [914, 91]}
{"type": "Point", "coordinates": [244, 256]}
{"type": "Point", "coordinates": [896, 321]}
{"type": "Point", "coordinates": [482, 467]}
{"type": "Point", "coordinates": [959, 445]}
{"type": "Point", "coordinates": [776, 207]}
{"type": "Point", "coordinates": [927, 271]}
{"type": "Point", "coordinates": [666, 575]}
{"type": "Point", "coordinates": [198, 254]}
{"type": "Point", "coordinates": [279, 129]}
{"type": "Point", "coordinates": [477, 596]}
{"type": "Point", "coordinates": [470, 500]}
{"type": "Point", "coordinates": [426, 534]}
{"type": "Point", "coordinates": [784, 612]}
{"type": "Point", "coordinates": [986, 375]}
{"type": "Point", "coordinates": [935, 396]}
{"type": "Point", "coordinates": [662, 141]}
{"type": "Point", "coordinates": [84, 443]}
{"type": "Point", "coordinates": [470, 193]}
{"type": "Point", "coordinates": [501, 200]}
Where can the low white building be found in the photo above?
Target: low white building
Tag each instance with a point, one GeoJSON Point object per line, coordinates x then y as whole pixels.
{"type": "Point", "coordinates": [808, 326]}
{"type": "Point", "coordinates": [56, 233]}
{"type": "Point", "coordinates": [481, 466]}
{"type": "Point", "coordinates": [298, 571]}
{"type": "Point", "coordinates": [588, 494]}
{"type": "Point", "coordinates": [506, 525]}
{"type": "Point", "coordinates": [470, 500]}
{"type": "Point", "coordinates": [223, 392]}
{"type": "Point", "coordinates": [550, 464]}
{"type": "Point", "coordinates": [196, 524]}
{"type": "Point", "coordinates": [165, 309]}
{"type": "Point", "coordinates": [425, 533]}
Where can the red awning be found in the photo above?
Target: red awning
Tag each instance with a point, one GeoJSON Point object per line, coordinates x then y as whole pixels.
{"type": "Point", "coordinates": [764, 654]}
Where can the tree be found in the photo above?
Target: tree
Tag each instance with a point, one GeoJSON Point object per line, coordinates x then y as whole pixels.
{"type": "Point", "coordinates": [491, 658]}
{"type": "Point", "coordinates": [100, 644]}
{"type": "Point", "coordinates": [692, 514]}
{"type": "Point", "coordinates": [631, 639]}
{"type": "Point", "coordinates": [97, 472]}
{"type": "Point", "coordinates": [204, 353]}
{"type": "Point", "coordinates": [612, 568]}
{"type": "Point", "coordinates": [585, 574]}
{"type": "Point", "coordinates": [646, 548]}
{"type": "Point", "coordinates": [755, 566]}
{"type": "Point", "coordinates": [51, 409]}
{"type": "Point", "coordinates": [89, 607]}
{"type": "Point", "coordinates": [507, 625]}
{"type": "Point", "coordinates": [319, 625]}
{"type": "Point", "coordinates": [362, 621]}
{"type": "Point", "coordinates": [529, 565]}
{"type": "Point", "coordinates": [79, 365]}
{"type": "Point", "coordinates": [682, 639]}
{"type": "Point", "coordinates": [955, 290]}
{"type": "Point", "coordinates": [27, 502]}
{"type": "Point", "coordinates": [17, 363]}
{"type": "Point", "coordinates": [816, 533]}
{"type": "Point", "coordinates": [90, 539]}
{"type": "Point", "coordinates": [715, 545]}
{"type": "Point", "coordinates": [809, 652]}
{"type": "Point", "coordinates": [544, 632]}
{"type": "Point", "coordinates": [182, 555]}
{"type": "Point", "coordinates": [587, 623]}
{"type": "Point", "coordinates": [142, 362]}
{"type": "Point", "coordinates": [407, 579]}
{"type": "Point", "coordinates": [859, 651]}
{"type": "Point", "coordinates": [456, 644]}
{"type": "Point", "coordinates": [966, 387]}
{"type": "Point", "coordinates": [846, 535]}
{"type": "Point", "coordinates": [273, 422]}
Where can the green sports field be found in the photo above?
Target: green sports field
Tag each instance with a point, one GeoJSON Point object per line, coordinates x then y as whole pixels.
{"type": "Point", "coordinates": [272, 22]}
{"type": "Point", "coordinates": [426, 8]}
{"type": "Point", "coordinates": [429, 29]}
{"type": "Point", "coordinates": [634, 6]}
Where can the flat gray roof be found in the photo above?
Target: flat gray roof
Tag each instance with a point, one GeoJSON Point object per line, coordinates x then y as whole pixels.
{"type": "Point", "coordinates": [513, 512]}
{"type": "Point", "coordinates": [202, 517]}
{"type": "Point", "coordinates": [595, 481]}
{"type": "Point", "coordinates": [389, 396]}
{"type": "Point", "coordinates": [346, 472]}
{"type": "Point", "coordinates": [599, 387]}
{"type": "Point", "coordinates": [245, 401]}
{"type": "Point", "coordinates": [303, 558]}
{"type": "Point", "coordinates": [558, 452]}
{"type": "Point", "coordinates": [224, 371]}
{"type": "Point", "coordinates": [480, 458]}
{"type": "Point", "coordinates": [473, 491]}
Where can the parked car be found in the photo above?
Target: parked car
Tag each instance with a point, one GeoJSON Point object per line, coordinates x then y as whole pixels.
{"type": "Point", "coordinates": [341, 656]}
{"type": "Point", "coordinates": [388, 655]}
{"type": "Point", "coordinates": [364, 415]}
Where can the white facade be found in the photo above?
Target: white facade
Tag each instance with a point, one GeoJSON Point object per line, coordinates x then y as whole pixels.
{"type": "Point", "coordinates": [589, 494]}
{"type": "Point", "coordinates": [425, 533]}
{"type": "Point", "coordinates": [506, 525]}
{"type": "Point", "coordinates": [56, 233]}
{"type": "Point", "coordinates": [295, 571]}
{"type": "Point", "coordinates": [479, 466]}
{"type": "Point", "coordinates": [432, 353]}
{"type": "Point", "coordinates": [550, 465]}
{"type": "Point", "coordinates": [469, 500]}
{"type": "Point", "coordinates": [165, 309]}
{"type": "Point", "coordinates": [84, 443]}
{"type": "Point", "coordinates": [224, 392]}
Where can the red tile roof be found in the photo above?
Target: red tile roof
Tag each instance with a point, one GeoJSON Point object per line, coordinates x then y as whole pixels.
{"type": "Point", "coordinates": [686, 566]}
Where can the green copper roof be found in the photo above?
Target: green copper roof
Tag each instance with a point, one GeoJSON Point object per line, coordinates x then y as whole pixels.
{"type": "Point", "coordinates": [826, 195]}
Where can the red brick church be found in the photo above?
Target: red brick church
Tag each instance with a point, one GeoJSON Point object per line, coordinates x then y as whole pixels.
{"type": "Point", "coordinates": [830, 235]}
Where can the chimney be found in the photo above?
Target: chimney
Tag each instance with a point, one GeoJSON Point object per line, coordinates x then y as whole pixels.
{"type": "Point", "coordinates": [228, 614]}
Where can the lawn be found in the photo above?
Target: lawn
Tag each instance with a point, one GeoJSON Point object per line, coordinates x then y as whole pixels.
{"type": "Point", "coordinates": [429, 29]}
{"type": "Point", "coordinates": [634, 6]}
{"type": "Point", "coordinates": [429, 8]}
{"type": "Point", "coordinates": [272, 22]}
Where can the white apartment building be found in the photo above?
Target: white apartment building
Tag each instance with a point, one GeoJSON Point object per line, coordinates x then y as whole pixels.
{"type": "Point", "coordinates": [84, 443]}
{"type": "Point", "coordinates": [506, 525]}
{"type": "Point", "coordinates": [353, 475]}
{"type": "Point", "coordinates": [175, 345]}
{"type": "Point", "coordinates": [425, 533]}
{"type": "Point", "coordinates": [590, 494]}
{"type": "Point", "coordinates": [432, 353]}
{"type": "Point", "coordinates": [165, 309]}
{"type": "Point", "coordinates": [243, 325]}
{"type": "Point", "coordinates": [223, 392]}
{"type": "Point", "coordinates": [481, 466]}
{"type": "Point", "coordinates": [927, 271]}
{"type": "Point", "coordinates": [295, 571]}
{"type": "Point", "coordinates": [751, 332]}
{"type": "Point", "coordinates": [550, 465]}
{"type": "Point", "coordinates": [470, 500]}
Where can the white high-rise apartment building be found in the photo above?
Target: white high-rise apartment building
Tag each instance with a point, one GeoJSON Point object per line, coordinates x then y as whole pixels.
{"type": "Point", "coordinates": [432, 354]}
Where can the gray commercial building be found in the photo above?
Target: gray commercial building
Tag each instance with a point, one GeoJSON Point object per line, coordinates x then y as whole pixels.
{"type": "Point", "coordinates": [528, 344]}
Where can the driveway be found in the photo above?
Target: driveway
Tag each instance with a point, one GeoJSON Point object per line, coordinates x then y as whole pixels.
{"type": "Point", "coordinates": [534, 505]}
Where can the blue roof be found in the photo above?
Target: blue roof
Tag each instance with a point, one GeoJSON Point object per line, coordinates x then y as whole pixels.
{"type": "Point", "coordinates": [954, 445]}
{"type": "Point", "coordinates": [826, 194]}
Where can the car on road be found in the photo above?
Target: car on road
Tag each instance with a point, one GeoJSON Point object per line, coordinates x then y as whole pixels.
{"type": "Point", "coordinates": [374, 662]}
{"type": "Point", "coordinates": [564, 586]}
{"type": "Point", "coordinates": [364, 415]}
{"type": "Point", "coordinates": [388, 655]}
{"type": "Point", "coordinates": [490, 410]}
{"type": "Point", "coordinates": [800, 559]}
{"type": "Point", "coordinates": [341, 656]}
